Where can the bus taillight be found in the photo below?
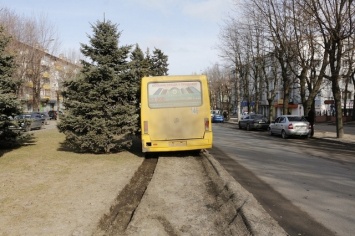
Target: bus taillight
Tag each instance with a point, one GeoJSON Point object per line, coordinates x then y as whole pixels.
{"type": "Point", "coordinates": [207, 124]}
{"type": "Point", "coordinates": [145, 127]}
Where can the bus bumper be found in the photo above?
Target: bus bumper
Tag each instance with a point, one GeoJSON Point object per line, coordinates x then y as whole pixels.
{"type": "Point", "coordinates": [149, 145]}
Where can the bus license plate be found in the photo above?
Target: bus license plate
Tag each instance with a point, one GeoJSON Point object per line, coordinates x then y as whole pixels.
{"type": "Point", "coordinates": [177, 143]}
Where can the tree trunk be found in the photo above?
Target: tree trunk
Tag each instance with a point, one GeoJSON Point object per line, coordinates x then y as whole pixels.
{"type": "Point", "coordinates": [338, 109]}
{"type": "Point", "coordinates": [345, 97]}
{"type": "Point", "coordinates": [270, 109]}
{"type": "Point", "coordinates": [35, 99]}
{"type": "Point", "coordinates": [286, 96]}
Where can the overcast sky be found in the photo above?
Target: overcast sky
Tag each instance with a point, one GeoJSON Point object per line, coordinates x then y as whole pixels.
{"type": "Point", "coordinates": [185, 30]}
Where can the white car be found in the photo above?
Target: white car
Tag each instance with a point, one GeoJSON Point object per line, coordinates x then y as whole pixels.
{"type": "Point", "coordinates": [290, 125]}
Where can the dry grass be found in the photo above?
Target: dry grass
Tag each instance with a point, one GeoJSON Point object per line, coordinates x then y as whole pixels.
{"type": "Point", "coordinates": [46, 145]}
{"type": "Point", "coordinates": [49, 191]}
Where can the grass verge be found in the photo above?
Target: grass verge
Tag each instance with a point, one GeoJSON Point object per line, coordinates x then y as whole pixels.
{"type": "Point", "coordinates": [48, 191]}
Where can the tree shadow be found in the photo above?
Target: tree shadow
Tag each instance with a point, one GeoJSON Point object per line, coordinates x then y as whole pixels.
{"type": "Point", "coordinates": [11, 144]}
{"type": "Point", "coordinates": [333, 143]}
{"type": "Point", "coordinates": [135, 147]}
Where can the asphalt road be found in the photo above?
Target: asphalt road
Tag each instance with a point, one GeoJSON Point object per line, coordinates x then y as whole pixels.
{"type": "Point", "coordinates": [307, 185]}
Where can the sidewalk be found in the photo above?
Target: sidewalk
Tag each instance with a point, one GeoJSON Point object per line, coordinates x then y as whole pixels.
{"type": "Point", "coordinates": [348, 138]}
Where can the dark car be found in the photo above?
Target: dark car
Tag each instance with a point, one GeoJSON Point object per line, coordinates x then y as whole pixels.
{"type": "Point", "coordinates": [217, 118]}
{"type": "Point", "coordinates": [52, 115]}
{"type": "Point", "coordinates": [254, 121]}
{"type": "Point", "coordinates": [45, 117]}
{"type": "Point", "coordinates": [27, 122]}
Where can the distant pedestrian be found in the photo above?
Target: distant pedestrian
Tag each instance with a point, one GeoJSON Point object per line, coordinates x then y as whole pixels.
{"type": "Point", "coordinates": [311, 118]}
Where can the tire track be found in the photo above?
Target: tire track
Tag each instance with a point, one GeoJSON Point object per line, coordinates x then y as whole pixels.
{"type": "Point", "coordinates": [121, 213]}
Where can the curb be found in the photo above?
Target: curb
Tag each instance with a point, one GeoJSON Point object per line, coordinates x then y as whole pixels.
{"type": "Point", "coordinates": [238, 202]}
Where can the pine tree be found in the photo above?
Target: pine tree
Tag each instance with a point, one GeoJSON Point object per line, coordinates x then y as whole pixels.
{"type": "Point", "coordinates": [138, 65]}
{"type": "Point", "coordinates": [148, 63]}
{"type": "Point", "coordinates": [101, 103]}
{"type": "Point", "coordinates": [7, 84]}
{"type": "Point", "coordinates": [9, 105]}
{"type": "Point", "coordinates": [159, 63]}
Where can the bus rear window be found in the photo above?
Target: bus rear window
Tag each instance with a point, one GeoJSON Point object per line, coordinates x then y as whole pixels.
{"type": "Point", "coordinates": [174, 94]}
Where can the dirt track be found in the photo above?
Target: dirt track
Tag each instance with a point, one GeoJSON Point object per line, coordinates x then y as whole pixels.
{"type": "Point", "coordinates": [180, 200]}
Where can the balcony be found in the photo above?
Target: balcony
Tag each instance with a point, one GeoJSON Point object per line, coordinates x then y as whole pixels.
{"type": "Point", "coordinates": [59, 67]}
{"type": "Point", "coordinates": [46, 75]}
{"type": "Point", "coordinates": [29, 84]}
{"type": "Point", "coordinates": [46, 86]}
{"type": "Point", "coordinates": [45, 99]}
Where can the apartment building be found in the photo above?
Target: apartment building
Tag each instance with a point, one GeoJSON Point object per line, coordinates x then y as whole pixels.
{"type": "Point", "coordinates": [51, 72]}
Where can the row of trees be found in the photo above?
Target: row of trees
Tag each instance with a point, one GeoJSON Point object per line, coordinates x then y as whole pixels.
{"type": "Point", "coordinates": [290, 45]}
{"type": "Point", "coordinates": [102, 105]}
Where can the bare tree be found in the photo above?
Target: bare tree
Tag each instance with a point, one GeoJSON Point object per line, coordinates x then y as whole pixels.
{"type": "Point", "coordinates": [260, 52]}
{"type": "Point", "coordinates": [231, 51]}
{"type": "Point", "coordinates": [310, 61]}
{"type": "Point", "coordinates": [335, 20]}
{"type": "Point", "coordinates": [247, 45]}
{"type": "Point", "coordinates": [348, 70]}
{"type": "Point", "coordinates": [276, 15]}
{"type": "Point", "coordinates": [270, 70]}
{"type": "Point", "coordinates": [236, 48]}
{"type": "Point", "coordinates": [214, 76]}
{"type": "Point", "coordinates": [34, 38]}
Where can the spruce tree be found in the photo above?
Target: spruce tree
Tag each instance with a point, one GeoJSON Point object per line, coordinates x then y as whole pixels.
{"type": "Point", "coordinates": [101, 103]}
{"type": "Point", "coordinates": [148, 63]}
{"type": "Point", "coordinates": [9, 104]}
{"type": "Point", "coordinates": [138, 65]}
{"type": "Point", "coordinates": [159, 63]}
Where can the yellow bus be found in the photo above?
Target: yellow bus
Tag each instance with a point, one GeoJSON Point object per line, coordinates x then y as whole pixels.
{"type": "Point", "coordinates": [175, 113]}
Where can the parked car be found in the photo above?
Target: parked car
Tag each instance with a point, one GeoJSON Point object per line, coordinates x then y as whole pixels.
{"type": "Point", "coordinates": [246, 114]}
{"type": "Point", "coordinates": [290, 125]}
{"type": "Point", "coordinates": [254, 121]}
{"type": "Point", "coordinates": [217, 118]}
{"type": "Point", "coordinates": [27, 122]}
{"type": "Point", "coordinates": [215, 112]}
{"type": "Point", "coordinates": [52, 115]}
{"type": "Point", "coordinates": [45, 117]}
